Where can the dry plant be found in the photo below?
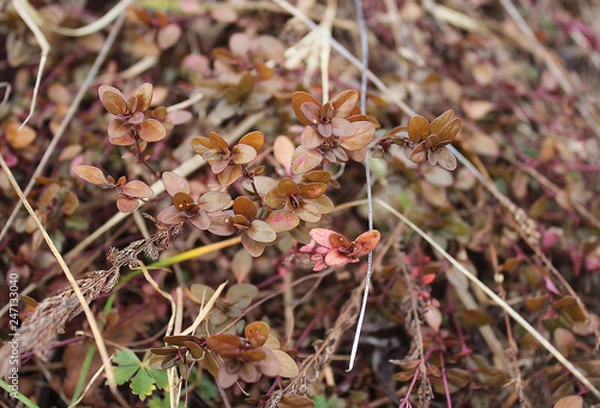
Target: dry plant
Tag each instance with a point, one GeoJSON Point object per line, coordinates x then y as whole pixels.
{"type": "Point", "coordinates": [408, 188]}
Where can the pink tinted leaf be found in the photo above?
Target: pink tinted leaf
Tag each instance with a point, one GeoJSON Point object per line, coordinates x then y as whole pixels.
{"type": "Point", "coordinates": [311, 111]}
{"type": "Point", "coordinates": [363, 135]}
{"type": "Point", "coordinates": [342, 127]}
{"type": "Point", "coordinates": [127, 204]}
{"type": "Point", "coordinates": [152, 130]}
{"type": "Point", "coordinates": [174, 183]}
{"type": "Point", "coordinates": [90, 174]}
{"type": "Point", "coordinates": [304, 160]}
{"type": "Point", "coordinates": [200, 221]}
{"type": "Point", "coordinates": [282, 220]}
{"type": "Point", "coordinates": [221, 224]}
{"type": "Point", "coordinates": [112, 99]}
{"type": "Point", "coordinates": [180, 116]}
{"type": "Point", "coordinates": [170, 216]}
{"type": "Point", "coordinates": [138, 189]}
{"type": "Point", "coordinates": [321, 236]}
{"type": "Point", "coordinates": [168, 36]}
{"type": "Point", "coordinates": [310, 139]}
{"type": "Point", "coordinates": [283, 150]}
{"type": "Point", "coordinates": [269, 365]}
{"type": "Point", "coordinates": [336, 258]}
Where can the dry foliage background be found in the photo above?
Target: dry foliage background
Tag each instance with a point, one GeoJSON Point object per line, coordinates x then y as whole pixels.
{"type": "Point", "coordinates": [523, 76]}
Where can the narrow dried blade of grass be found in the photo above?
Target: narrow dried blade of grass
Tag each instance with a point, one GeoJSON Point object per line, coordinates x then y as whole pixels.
{"type": "Point", "coordinates": [84, 305]}
{"type": "Point", "coordinates": [498, 300]}
{"type": "Point", "coordinates": [164, 294]}
{"type": "Point", "coordinates": [186, 168]}
{"type": "Point", "coordinates": [106, 47]}
{"type": "Point", "coordinates": [97, 25]}
{"type": "Point", "coordinates": [27, 14]}
{"type": "Point", "coordinates": [204, 310]}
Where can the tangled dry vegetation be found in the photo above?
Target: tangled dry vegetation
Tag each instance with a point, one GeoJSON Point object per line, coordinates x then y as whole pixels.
{"type": "Point", "coordinates": [220, 177]}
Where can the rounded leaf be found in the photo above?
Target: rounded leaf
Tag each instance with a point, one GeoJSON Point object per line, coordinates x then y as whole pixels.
{"type": "Point", "coordinates": [218, 142]}
{"type": "Point", "coordinates": [182, 200]}
{"type": "Point", "coordinates": [253, 247]}
{"type": "Point", "coordinates": [298, 99]}
{"type": "Point", "coordinates": [225, 345]}
{"type": "Point", "coordinates": [321, 236]}
{"type": "Point", "coordinates": [418, 128]}
{"type": "Point", "coordinates": [221, 224]}
{"type": "Point", "coordinates": [260, 231]}
{"type": "Point", "coordinates": [213, 201]}
{"type": "Point", "coordinates": [257, 333]}
{"type": "Point", "coordinates": [112, 99]}
{"type": "Point", "coordinates": [282, 220]}
{"type": "Point", "coordinates": [445, 158]}
{"type": "Point", "coordinates": [118, 128]}
{"type": "Point", "coordinates": [195, 350]}
{"type": "Point", "coordinates": [175, 183]}
{"type": "Point", "coordinates": [255, 139]}
{"type": "Point", "coordinates": [438, 123]}
{"type": "Point", "coordinates": [304, 160]}
{"type": "Point", "coordinates": [202, 292]}
{"type": "Point", "coordinates": [344, 102]}
{"type": "Point", "coordinates": [367, 241]}
{"type": "Point", "coordinates": [19, 138]}
{"type": "Point", "coordinates": [127, 204]}
{"type": "Point", "coordinates": [152, 130]}
{"type": "Point", "coordinates": [171, 215]}
{"type": "Point", "coordinates": [138, 189]}
{"type": "Point", "coordinates": [363, 135]}
{"type": "Point", "coordinates": [570, 401]}
{"type": "Point", "coordinates": [289, 368]}
{"type": "Point", "coordinates": [143, 93]}
{"type": "Point", "coordinates": [168, 36]}
{"type": "Point", "coordinates": [90, 174]}
{"type": "Point", "coordinates": [229, 174]}
{"type": "Point", "coordinates": [244, 206]}
{"type": "Point", "coordinates": [242, 153]}
{"type": "Point", "coordinates": [450, 131]}
{"type": "Point", "coordinates": [283, 150]}
{"type": "Point", "coordinates": [312, 190]}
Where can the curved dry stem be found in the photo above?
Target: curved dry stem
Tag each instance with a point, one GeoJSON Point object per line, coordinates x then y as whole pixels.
{"type": "Point", "coordinates": [91, 28]}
